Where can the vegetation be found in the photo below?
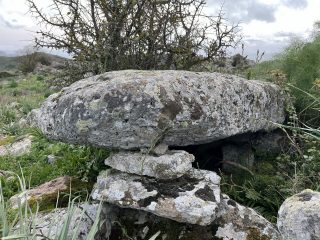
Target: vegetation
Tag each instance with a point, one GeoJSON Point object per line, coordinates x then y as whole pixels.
{"type": "Point", "coordinates": [30, 58]}
{"type": "Point", "coordinates": [21, 224]}
{"type": "Point", "coordinates": [128, 34]}
{"type": "Point", "coordinates": [8, 63]}
{"type": "Point", "coordinates": [17, 99]}
{"type": "Point", "coordinates": [277, 177]}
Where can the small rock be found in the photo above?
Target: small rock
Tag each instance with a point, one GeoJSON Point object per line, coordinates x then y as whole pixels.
{"type": "Point", "coordinates": [160, 149]}
{"type": "Point", "coordinates": [193, 198]}
{"type": "Point", "coordinates": [237, 222]}
{"type": "Point", "coordinates": [48, 225]}
{"type": "Point", "coordinates": [299, 216]}
{"type": "Point", "coordinates": [174, 164]}
{"type": "Point", "coordinates": [23, 122]}
{"type": "Point", "coordinates": [46, 193]}
{"type": "Point", "coordinates": [51, 159]}
{"type": "Point", "coordinates": [271, 143]}
{"type": "Point", "coordinates": [14, 105]}
{"type": "Point", "coordinates": [17, 148]}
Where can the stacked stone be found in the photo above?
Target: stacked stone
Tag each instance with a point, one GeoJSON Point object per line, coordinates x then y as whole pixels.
{"type": "Point", "coordinates": [141, 113]}
{"type": "Point", "coordinates": [165, 185]}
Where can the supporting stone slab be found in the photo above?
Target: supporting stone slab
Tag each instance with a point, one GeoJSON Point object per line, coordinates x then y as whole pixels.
{"type": "Point", "coordinates": [193, 198]}
{"type": "Point", "coordinates": [174, 164]}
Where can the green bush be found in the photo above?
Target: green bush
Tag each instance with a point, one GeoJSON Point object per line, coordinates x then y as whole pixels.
{"type": "Point", "coordinates": [40, 78]}
{"type": "Point", "coordinates": [5, 75]}
{"type": "Point", "coordinates": [28, 62]}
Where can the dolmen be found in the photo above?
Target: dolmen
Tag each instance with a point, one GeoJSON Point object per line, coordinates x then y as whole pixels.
{"type": "Point", "coordinates": [146, 118]}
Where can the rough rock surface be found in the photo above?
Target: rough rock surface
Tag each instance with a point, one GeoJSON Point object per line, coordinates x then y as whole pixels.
{"type": "Point", "coordinates": [134, 109]}
{"type": "Point", "coordinates": [245, 224]}
{"type": "Point", "coordinates": [17, 148]}
{"type": "Point", "coordinates": [271, 143]}
{"type": "Point", "coordinates": [192, 198]}
{"type": "Point", "coordinates": [48, 225]}
{"type": "Point", "coordinates": [299, 216]}
{"type": "Point", "coordinates": [46, 193]}
{"type": "Point", "coordinates": [242, 155]}
{"type": "Point", "coordinates": [235, 221]}
{"type": "Point", "coordinates": [174, 164]}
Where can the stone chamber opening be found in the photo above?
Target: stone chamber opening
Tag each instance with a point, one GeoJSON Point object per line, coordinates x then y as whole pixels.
{"type": "Point", "coordinates": [243, 149]}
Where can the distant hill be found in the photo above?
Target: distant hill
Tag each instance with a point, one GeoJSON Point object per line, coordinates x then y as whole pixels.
{"type": "Point", "coordinates": [12, 63]}
{"type": "Point", "coordinates": [8, 63]}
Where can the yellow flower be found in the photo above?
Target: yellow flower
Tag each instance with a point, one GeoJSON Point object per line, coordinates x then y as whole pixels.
{"type": "Point", "coordinates": [316, 83]}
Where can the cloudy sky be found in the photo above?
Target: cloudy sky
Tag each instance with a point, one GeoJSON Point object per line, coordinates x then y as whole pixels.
{"type": "Point", "coordinates": [267, 25]}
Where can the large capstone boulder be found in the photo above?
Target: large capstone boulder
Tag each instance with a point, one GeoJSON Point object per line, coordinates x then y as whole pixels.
{"type": "Point", "coordinates": [193, 198]}
{"type": "Point", "coordinates": [299, 216]}
{"type": "Point", "coordinates": [174, 164]}
{"type": "Point", "coordinates": [136, 109]}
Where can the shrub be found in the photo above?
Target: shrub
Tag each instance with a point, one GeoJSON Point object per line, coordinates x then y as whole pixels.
{"type": "Point", "coordinates": [28, 62]}
{"type": "Point", "coordinates": [40, 78]}
{"type": "Point", "coordinates": [301, 63]}
{"type": "Point", "coordinates": [114, 35]}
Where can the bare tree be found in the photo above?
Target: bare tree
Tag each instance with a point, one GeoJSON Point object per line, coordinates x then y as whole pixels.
{"type": "Point", "coordinates": [104, 35]}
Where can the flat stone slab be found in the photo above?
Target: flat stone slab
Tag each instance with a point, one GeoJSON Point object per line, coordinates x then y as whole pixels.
{"type": "Point", "coordinates": [193, 198]}
{"type": "Point", "coordinates": [174, 164]}
{"type": "Point", "coordinates": [134, 109]}
{"type": "Point", "coordinates": [46, 193]}
{"type": "Point", "coordinates": [17, 148]}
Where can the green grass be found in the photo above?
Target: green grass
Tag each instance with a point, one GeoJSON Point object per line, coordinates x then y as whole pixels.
{"type": "Point", "coordinates": [78, 161]}
{"type": "Point", "coordinates": [21, 223]}
{"type": "Point", "coordinates": [298, 66]}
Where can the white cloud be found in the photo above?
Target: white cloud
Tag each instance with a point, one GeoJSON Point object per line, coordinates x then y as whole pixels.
{"type": "Point", "coordinates": [262, 31]}
{"type": "Point", "coordinates": [15, 13]}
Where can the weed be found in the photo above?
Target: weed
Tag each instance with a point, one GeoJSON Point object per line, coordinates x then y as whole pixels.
{"type": "Point", "coordinates": [40, 78]}
{"type": "Point", "coordinates": [21, 223]}
{"type": "Point", "coordinates": [13, 84]}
